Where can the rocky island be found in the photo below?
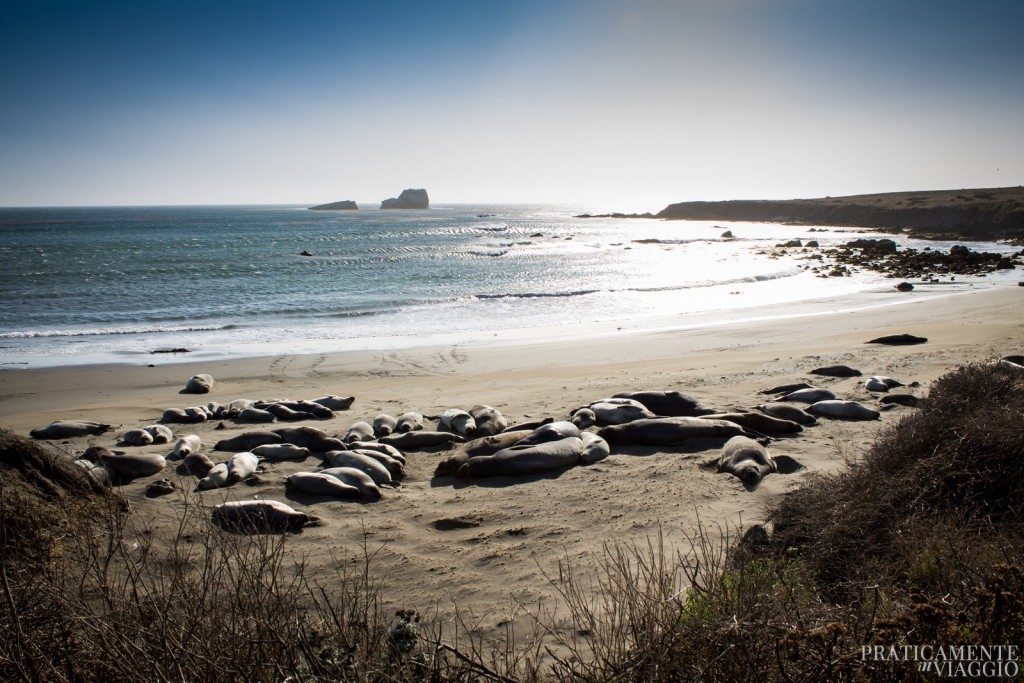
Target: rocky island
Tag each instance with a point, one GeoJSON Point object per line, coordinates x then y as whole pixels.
{"type": "Point", "coordinates": [345, 205]}
{"type": "Point", "coordinates": [409, 199]}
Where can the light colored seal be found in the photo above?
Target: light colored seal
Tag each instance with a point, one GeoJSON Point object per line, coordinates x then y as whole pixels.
{"type": "Point", "coordinates": [419, 440]}
{"type": "Point", "coordinates": [190, 443]}
{"type": "Point", "coordinates": [660, 431]}
{"type": "Point", "coordinates": [364, 463]}
{"type": "Point", "coordinates": [595, 448]}
{"type": "Point", "coordinates": [273, 452]}
{"type": "Point", "coordinates": [260, 515]}
{"type": "Point", "coordinates": [354, 477]}
{"type": "Point", "coordinates": [286, 413]}
{"type": "Point", "coordinates": [409, 422]}
{"type": "Point", "coordinates": [359, 431]}
{"type": "Point", "coordinates": [524, 459]}
{"type": "Point", "coordinates": [241, 466]}
{"type": "Point", "coordinates": [335, 402]}
{"type": "Point", "coordinates": [667, 403]}
{"type": "Point", "coordinates": [320, 484]}
{"type": "Point", "coordinates": [584, 417]}
{"type": "Point", "coordinates": [246, 441]}
{"type": "Point", "coordinates": [746, 459]}
{"type": "Point", "coordinates": [787, 412]}
{"type": "Point", "coordinates": [64, 429]}
{"type": "Point", "coordinates": [255, 415]}
{"type": "Point", "coordinates": [849, 410]}
{"type": "Point", "coordinates": [395, 468]}
{"type": "Point", "coordinates": [486, 445]}
{"type": "Point", "coordinates": [384, 448]}
{"type": "Point", "coordinates": [198, 384]}
{"type": "Point", "coordinates": [529, 424]}
{"type": "Point", "coordinates": [238, 405]}
{"type": "Point", "coordinates": [881, 383]}
{"type": "Point", "coordinates": [312, 438]}
{"type": "Point", "coordinates": [552, 431]}
{"type": "Point", "coordinates": [616, 413]}
{"type": "Point", "coordinates": [458, 421]}
{"type": "Point", "coordinates": [383, 425]}
{"type": "Point", "coordinates": [216, 477]}
{"type": "Point", "coordinates": [97, 472]}
{"type": "Point", "coordinates": [812, 395]}
{"type": "Point", "coordinates": [489, 421]}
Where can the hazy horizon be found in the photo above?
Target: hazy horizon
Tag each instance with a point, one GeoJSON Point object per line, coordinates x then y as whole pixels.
{"type": "Point", "coordinates": [622, 105]}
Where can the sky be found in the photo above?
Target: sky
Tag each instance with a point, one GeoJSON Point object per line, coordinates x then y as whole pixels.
{"type": "Point", "coordinates": [614, 104]}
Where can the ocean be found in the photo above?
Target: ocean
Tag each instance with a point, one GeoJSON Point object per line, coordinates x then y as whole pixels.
{"type": "Point", "coordinates": [100, 285]}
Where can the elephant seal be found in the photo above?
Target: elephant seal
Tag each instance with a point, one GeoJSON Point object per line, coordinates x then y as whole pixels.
{"type": "Point", "coordinates": [357, 478]}
{"type": "Point", "coordinates": [616, 413]}
{"type": "Point", "coordinates": [661, 431]}
{"type": "Point", "coordinates": [524, 459]}
{"type": "Point", "coordinates": [667, 403]}
{"type": "Point", "coordinates": [383, 425]}
{"type": "Point", "coordinates": [1015, 359]}
{"type": "Point", "coordinates": [260, 515]}
{"type": "Point", "coordinates": [595, 448]}
{"type": "Point", "coordinates": [553, 431]}
{"type": "Point", "coordinates": [881, 383]}
{"type": "Point", "coordinates": [64, 429]}
{"type": "Point", "coordinates": [246, 441]}
{"type": "Point", "coordinates": [160, 433]}
{"type": "Point", "coordinates": [898, 340]}
{"type": "Point", "coordinates": [584, 417]}
{"type": "Point", "coordinates": [335, 402]}
{"type": "Point", "coordinates": [395, 468]}
{"type": "Point", "coordinates": [837, 371]}
{"type": "Point", "coordinates": [182, 416]}
{"type": "Point", "coordinates": [787, 412]}
{"type": "Point", "coordinates": [458, 421]}
{"type": "Point", "coordinates": [359, 431]}
{"type": "Point", "coordinates": [746, 459]}
{"type": "Point", "coordinates": [849, 410]}
{"type": "Point", "coordinates": [216, 478]}
{"type": "Point", "coordinates": [812, 395]}
{"type": "Point", "coordinates": [200, 463]}
{"type": "Point", "coordinates": [134, 465]}
{"type": "Point", "coordinates": [312, 438]}
{"type": "Point", "coordinates": [97, 472]}
{"type": "Point", "coordinates": [186, 445]}
{"type": "Point", "coordinates": [198, 384]}
{"type": "Point", "coordinates": [384, 448]}
{"type": "Point", "coordinates": [287, 414]}
{"type": "Point", "coordinates": [256, 415]}
{"type": "Point", "coordinates": [320, 484]}
{"type": "Point", "coordinates": [787, 388]}
{"type": "Point", "coordinates": [530, 425]}
{"type": "Point", "coordinates": [415, 441]}
{"type": "Point", "coordinates": [241, 466]}
{"type": "Point", "coordinates": [899, 399]}
{"type": "Point", "coordinates": [758, 422]}
{"type": "Point", "coordinates": [238, 405]}
{"type": "Point", "coordinates": [375, 470]}
{"type": "Point", "coordinates": [273, 452]}
{"type": "Point", "coordinates": [137, 437]}
{"type": "Point", "coordinates": [485, 445]}
{"type": "Point", "coordinates": [409, 422]}
{"type": "Point", "coordinates": [489, 421]}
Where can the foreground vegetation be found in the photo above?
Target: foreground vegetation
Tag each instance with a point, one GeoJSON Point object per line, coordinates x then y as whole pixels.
{"type": "Point", "coordinates": [919, 543]}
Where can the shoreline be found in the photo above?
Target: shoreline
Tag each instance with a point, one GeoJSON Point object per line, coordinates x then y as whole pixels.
{"type": "Point", "coordinates": [495, 543]}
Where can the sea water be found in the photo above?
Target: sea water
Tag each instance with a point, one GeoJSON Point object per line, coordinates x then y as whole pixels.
{"type": "Point", "coordinates": [89, 285]}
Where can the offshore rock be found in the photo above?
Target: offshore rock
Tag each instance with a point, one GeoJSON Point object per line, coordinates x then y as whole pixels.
{"type": "Point", "coordinates": [409, 199]}
{"type": "Point", "coordinates": [345, 205]}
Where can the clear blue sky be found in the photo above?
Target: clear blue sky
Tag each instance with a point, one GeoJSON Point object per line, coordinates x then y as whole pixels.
{"type": "Point", "coordinates": [619, 104]}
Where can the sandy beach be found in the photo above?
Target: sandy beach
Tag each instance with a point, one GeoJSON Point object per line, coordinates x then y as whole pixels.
{"type": "Point", "coordinates": [491, 545]}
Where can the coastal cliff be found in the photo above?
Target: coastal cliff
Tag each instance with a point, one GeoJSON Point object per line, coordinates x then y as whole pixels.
{"type": "Point", "coordinates": [345, 205]}
{"type": "Point", "coordinates": [409, 199]}
{"type": "Point", "coordinates": [979, 213]}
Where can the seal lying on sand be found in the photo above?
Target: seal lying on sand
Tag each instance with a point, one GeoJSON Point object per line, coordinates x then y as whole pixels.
{"type": "Point", "coordinates": [335, 402]}
{"type": "Point", "coordinates": [524, 459]}
{"type": "Point", "coordinates": [881, 383]}
{"type": "Point", "coordinates": [383, 425]}
{"type": "Point", "coordinates": [359, 431]}
{"type": "Point", "coordinates": [132, 465]}
{"type": "Point", "coordinates": [372, 467]}
{"type": "Point", "coordinates": [898, 340]}
{"type": "Point", "coordinates": [247, 441]}
{"type": "Point", "coordinates": [899, 399]}
{"type": "Point", "coordinates": [667, 403]}
{"type": "Point", "coordinates": [198, 384]}
{"type": "Point", "coordinates": [616, 411]}
{"type": "Point", "coordinates": [487, 445]}
{"type": "Point", "coordinates": [356, 478]}
{"type": "Point", "coordinates": [414, 441]}
{"type": "Point", "coordinates": [746, 459]}
{"type": "Point", "coordinates": [849, 410]}
{"type": "Point", "coordinates": [312, 438]}
{"type": "Point", "coordinates": [758, 422]}
{"type": "Point", "coordinates": [273, 452]}
{"type": "Point", "coordinates": [837, 371]}
{"type": "Point", "coordinates": [63, 429]}
{"type": "Point", "coordinates": [458, 421]}
{"type": "Point", "coordinates": [320, 484]}
{"type": "Point", "coordinates": [787, 388]}
{"type": "Point", "coordinates": [260, 515]}
{"type": "Point", "coordinates": [409, 422]}
{"type": "Point", "coordinates": [489, 421]}
{"type": "Point", "coordinates": [660, 431]}
{"type": "Point", "coordinates": [811, 395]}
{"type": "Point", "coordinates": [190, 443]}
{"type": "Point", "coordinates": [787, 412]}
